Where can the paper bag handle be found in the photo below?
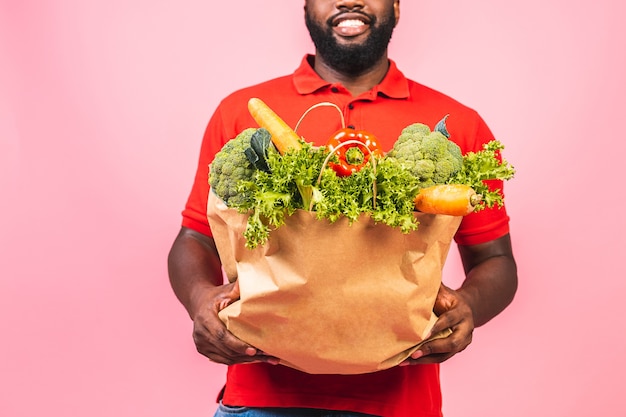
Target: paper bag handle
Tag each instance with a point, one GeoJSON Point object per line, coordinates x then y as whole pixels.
{"type": "Point", "coordinates": [348, 142]}
{"type": "Point", "coordinates": [330, 155]}
{"type": "Point", "coordinates": [322, 104]}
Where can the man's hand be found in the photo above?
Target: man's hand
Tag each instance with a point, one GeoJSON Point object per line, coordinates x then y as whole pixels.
{"type": "Point", "coordinates": [489, 286]}
{"type": "Point", "coordinates": [455, 314]}
{"type": "Point", "coordinates": [210, 335]}
{"type": "Point", "coordinates": [196, 276]}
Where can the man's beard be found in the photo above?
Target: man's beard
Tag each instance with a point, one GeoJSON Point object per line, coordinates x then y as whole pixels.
{"type": "Point", "coordinates": [352, 59]}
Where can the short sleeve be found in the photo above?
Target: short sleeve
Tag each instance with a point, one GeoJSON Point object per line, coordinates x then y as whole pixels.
{"type": "Point", "coordinates": [195, 212]}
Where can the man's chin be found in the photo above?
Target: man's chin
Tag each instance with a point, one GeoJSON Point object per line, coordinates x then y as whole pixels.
{"type": "Point", "coordinates": [352, 42]}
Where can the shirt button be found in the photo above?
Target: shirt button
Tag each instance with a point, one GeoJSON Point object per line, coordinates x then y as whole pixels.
{"type": "Point", "coordinates": [350, 126]}
{"type": "Point", "coordinates": [351, 106]}
{"type": "Point", "coordinates": [334, 89]}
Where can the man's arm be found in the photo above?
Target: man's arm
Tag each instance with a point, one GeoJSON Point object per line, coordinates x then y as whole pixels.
{"type": "Point", "coordinates": [491, 278]}
{"type": "Point", "coordinates": [196, 278]}
{"type": "Point", "coordinates": [489, 287]}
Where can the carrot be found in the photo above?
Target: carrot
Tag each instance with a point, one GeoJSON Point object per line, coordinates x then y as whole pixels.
{"type": "Point", "coordinates": [450, 199]}
{"type": "Point", "coordinates": [283, 136]}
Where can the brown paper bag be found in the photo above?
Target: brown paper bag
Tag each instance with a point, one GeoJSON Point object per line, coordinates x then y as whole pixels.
{"type": "Point", "coordinates": [333, 298]}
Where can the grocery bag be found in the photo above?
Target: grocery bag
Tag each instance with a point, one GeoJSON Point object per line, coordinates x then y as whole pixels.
{"type": "Point", "coordinates": [333, 298]}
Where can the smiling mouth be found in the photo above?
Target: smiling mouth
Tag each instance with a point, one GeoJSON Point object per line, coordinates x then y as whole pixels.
{"type": "Point", "coordinates": [350, 24]}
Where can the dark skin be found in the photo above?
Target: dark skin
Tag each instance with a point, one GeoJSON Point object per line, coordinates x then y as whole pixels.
{"type": "Point", "coordinates": [196, 278]}
{"type": "Point", "coordinates": [490, 269]}
{"type": "Point", "coordinates": [323, 10]}
{"type": "Point", "coordinates": [489, 287]}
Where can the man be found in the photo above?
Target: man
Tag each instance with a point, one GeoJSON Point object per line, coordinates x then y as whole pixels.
{"type": "Point", "coordinates": [351, 69]}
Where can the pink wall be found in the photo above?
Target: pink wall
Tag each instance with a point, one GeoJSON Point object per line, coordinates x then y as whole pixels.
{"type": "Point", "coordinates": [102, 107]}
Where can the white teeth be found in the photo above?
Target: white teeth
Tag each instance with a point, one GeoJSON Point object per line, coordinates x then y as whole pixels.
{"type": "Point", "coordinates": [350, 23]}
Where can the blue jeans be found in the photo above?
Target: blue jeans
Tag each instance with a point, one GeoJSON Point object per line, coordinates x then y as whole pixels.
{"type": "Point", "coordinates": [228, 411]}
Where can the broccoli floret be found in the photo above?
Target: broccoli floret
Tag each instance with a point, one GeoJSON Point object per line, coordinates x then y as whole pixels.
{"type": "Point", "coordinates": [231, 165]}
{"type": "Point", "coordinates": [416, 130]}
{"type": "Point", "coordinates": [430, 156]}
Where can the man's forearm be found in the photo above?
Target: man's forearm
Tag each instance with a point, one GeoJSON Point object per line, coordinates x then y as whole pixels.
{"type": "Point", "coordinates": [491, 279]}
{"type": "Point", "coordinates": [193, 266]}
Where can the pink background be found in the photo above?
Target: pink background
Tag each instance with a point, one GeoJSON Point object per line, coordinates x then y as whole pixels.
{"type": "Point", "coordinates": [102, 107]}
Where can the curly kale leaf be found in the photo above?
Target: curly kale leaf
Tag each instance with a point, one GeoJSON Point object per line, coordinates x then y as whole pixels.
{"type": "Point", "coordinates": [290, 184]}
{"type": "Point", "coordinates": [479, 168]}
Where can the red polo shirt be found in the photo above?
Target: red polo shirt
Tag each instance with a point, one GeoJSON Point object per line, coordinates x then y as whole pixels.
{"type": "Point", "coordinates": [395, 103]}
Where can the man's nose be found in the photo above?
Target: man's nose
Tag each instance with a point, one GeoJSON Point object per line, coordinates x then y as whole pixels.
{"type": "Point", "coordinates": [349, 4]}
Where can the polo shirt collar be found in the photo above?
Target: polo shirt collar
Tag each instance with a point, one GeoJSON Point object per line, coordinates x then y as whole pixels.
{"type": "Point", "coordinates": [307, 81]}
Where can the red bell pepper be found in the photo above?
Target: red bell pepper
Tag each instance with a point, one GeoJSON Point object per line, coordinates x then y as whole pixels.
{"type": "Point", "coordinates": [352, 157]}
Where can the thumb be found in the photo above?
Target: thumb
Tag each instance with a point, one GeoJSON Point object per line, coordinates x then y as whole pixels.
{"type": "Point", "coordinates": [231, 296]}
{"type": "Point", "coordinates": [445, 300]}
{"type": "Point", "coordinates": [234, 292]}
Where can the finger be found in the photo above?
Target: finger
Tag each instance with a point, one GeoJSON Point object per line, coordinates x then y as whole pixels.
{"type": "Point", "coordinates": [449, 320]}
{"type": "Point", "coordinates": [229, 349]}
{"type": "Point", "coordinates": [444, 301]}
{"type": "Point", "coordinates": [450, 343]}
{"type": "Point", "coordinates": [272, 360]}
{"type": "Point", "coordinates": [429, 359]}
{"type": "Point", "coordinates": [235, 293]}
{"type": "Point", "coordinates": [232, 295]}
{"type": "Point", "coordinates": [218, 354]}
{"type": "Point", "coordinates": [217, 340]}
{"type": "Point", "coordinates": [251, 355]}
{"type": "Point", "coordinates": [445, 347]}
{"type": "Point", "coordinates": [420, 359]}
{"type": "Point", "coordinates": [229, 360]}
